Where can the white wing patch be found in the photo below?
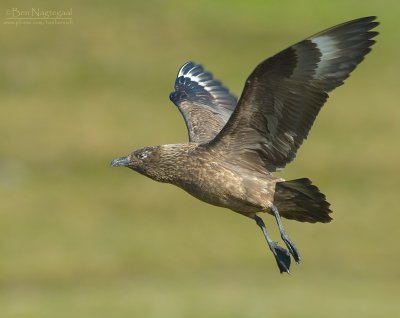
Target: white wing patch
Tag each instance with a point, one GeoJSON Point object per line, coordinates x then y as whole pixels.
{"type": "Point", "coordinates": [329, 51]}
{"type": "Point", "coordinates": [198, 75]}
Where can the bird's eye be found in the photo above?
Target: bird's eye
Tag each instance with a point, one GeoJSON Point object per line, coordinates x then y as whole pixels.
{"type": "Point", "coordinates": [142, 155]}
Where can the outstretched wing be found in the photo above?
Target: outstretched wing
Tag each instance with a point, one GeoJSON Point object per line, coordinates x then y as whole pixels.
{"type": "Point", "coordinates": [204, 103]}
{"type": "Point", "coordinates": [284, 94]}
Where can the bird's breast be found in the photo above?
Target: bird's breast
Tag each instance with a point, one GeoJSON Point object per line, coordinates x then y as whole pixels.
{"type": "Point", "coordinates": [215, 184]}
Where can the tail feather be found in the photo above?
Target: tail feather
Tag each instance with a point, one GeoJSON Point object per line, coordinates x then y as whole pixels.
{"type": "Point", "coordinates": [302, 201]}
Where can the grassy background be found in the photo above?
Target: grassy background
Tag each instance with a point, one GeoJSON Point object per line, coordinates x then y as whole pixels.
{"type": "Point", "coordinates": [79, 239]}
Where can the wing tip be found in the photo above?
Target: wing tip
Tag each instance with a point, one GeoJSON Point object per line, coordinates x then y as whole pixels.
{"type": "Point", "coordinates": [368, 22]}
{"type": "Point", "coordinates": [366, 19]}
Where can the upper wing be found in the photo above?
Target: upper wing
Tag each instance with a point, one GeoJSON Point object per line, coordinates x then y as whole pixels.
{"type": "Point", "coordinates": [284, 94]}
{"type": "Point", "coordinates": [204, 103]}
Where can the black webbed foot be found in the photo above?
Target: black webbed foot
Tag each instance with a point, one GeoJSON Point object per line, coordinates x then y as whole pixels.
{"type": "Point", "coordinates": [282, 257]}
{"type": "Point", "coordinates": [292, 248]}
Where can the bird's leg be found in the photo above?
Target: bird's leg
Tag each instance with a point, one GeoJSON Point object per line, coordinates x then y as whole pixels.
{"type": "Point", "coordinates": [291, 247]}
{"type": "Point", "coordinates": [282, 256]}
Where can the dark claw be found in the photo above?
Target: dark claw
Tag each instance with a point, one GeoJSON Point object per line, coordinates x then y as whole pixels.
{"type": "Point", "coordinates": [282, 258]}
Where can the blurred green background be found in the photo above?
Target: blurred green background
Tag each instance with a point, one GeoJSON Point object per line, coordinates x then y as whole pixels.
{"type": "Point", "coordinates": [80, 239]}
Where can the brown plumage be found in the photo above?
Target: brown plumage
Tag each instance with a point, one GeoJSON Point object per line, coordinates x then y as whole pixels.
{"type": "Point", "coordinates": [234, 146]}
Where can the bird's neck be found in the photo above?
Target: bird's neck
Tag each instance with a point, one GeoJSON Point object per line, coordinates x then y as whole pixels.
{"type": "Point", "coordinates": [172, 161]}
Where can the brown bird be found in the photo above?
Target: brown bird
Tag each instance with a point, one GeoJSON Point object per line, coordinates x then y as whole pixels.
{"type": "Point", "coordinates": [234, 146]}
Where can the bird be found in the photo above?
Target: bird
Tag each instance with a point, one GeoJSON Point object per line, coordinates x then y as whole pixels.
{"type": "Point", "coordinates": [235, 145]}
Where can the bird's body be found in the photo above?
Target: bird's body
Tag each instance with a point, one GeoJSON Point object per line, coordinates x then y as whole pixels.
{"type": "Point", "coordinates": [235, 145]}
{"type": "Point", "coordinates": [212, 179]}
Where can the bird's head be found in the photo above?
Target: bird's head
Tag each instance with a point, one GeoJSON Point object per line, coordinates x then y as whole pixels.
{"type": "Point", "coordinates": [143, 160]}
{"type": "Point", "coordinates": [160, 163]}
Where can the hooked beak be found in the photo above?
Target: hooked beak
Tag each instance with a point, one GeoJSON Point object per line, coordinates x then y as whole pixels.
{"type": "Point", "coordinates": [120, 162]}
